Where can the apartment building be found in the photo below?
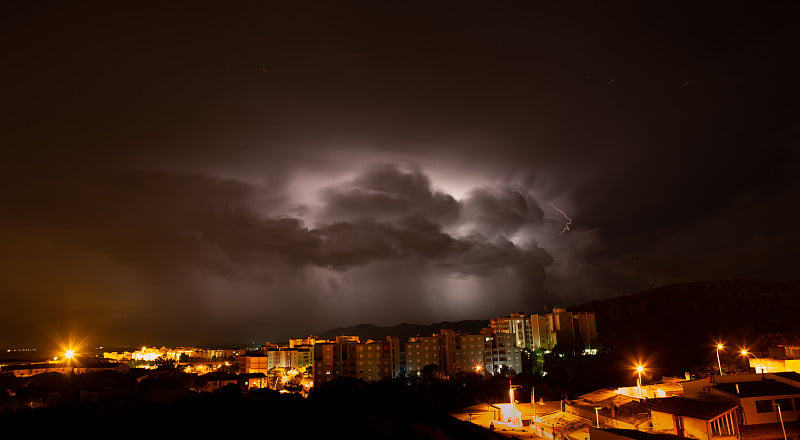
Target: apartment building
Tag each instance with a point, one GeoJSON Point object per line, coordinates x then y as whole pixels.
{"type": "Point", "coordinates": [545, 331]}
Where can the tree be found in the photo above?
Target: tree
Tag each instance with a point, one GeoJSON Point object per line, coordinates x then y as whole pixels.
{"type": "Point", "coordinates": [164, 363]}
{"type": "Point", "coordinates": [507, 371]}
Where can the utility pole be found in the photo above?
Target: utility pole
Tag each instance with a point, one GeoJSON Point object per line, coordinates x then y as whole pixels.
{"type": "Point", "coordinates": [780, 417]}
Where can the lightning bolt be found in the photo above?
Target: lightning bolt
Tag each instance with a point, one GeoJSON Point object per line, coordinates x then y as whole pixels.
{"type": "Point", "coordinates": [569, 220]}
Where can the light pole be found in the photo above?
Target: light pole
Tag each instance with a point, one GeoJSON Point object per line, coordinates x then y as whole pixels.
{"type": "Point", "coordinates": [719, 347]}
{"type": "Point", "coordinates": [639, 370]}
{"type": "Point", "coordinates": [511, 397]}
{"type": "Point", "coordinates": [597, 415]}
{"type": "Point", "coordinates": [746, 354]}
{"type": "Point", "coordinates": [780, 417]}
{"type": "Point", "coordinates": [69, 355]}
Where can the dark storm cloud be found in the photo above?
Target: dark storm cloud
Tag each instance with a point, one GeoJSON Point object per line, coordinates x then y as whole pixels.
{"type": "Point", "coordinates": [345, 244]}
{"type": "Point", "coordinates": [385, 192]}
{"type": "Point", "coordinates": [483, 257]}
{"type": "Point", "coordinates": [167, 232]}
{"type": "Point", "coordinates": [501, 211]}
{"type": "Point", "coordinates": [168, 167]}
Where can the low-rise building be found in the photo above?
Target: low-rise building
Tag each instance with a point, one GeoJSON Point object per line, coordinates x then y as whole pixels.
{"type": "Point", "coordinates": [254, 363]}
{"type": "Point", "coordinates": [213, 381]}
{"type": "Point", "coordinates": [758, 395]}
{"type": "Point", "coordinates": [697, 419]}
{"type": "Point", "coordinates": [253, 381]}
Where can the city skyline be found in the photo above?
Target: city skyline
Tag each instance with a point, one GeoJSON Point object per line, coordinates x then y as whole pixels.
{"type": "Point", "coordinates": [219, 173]}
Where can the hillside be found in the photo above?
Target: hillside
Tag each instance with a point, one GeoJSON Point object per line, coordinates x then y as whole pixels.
{"type": "Point", "coordinates": [680, 323]}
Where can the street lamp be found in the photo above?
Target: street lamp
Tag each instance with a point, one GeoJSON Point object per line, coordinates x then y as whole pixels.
{"type": "Point", "coordinates": [511, 397]}
{"type": "Point", "coordinates": [516, 417]}
{"type": "Point", "coordinates": [746, 354]}
{"type": "Point", "coordinates": [719, 347]}
{"type": "Point", "coordinates": [639, 371]}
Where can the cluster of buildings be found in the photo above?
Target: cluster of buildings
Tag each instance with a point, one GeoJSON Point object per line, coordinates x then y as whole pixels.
{"type": "Point", "coordinates": [780, 358]}
{"type": "Point", "coordinates": [297, 356]}
{"type": "Point", "coordinates": [545, 331]}
{"type": "Point", "coordinates": [175, 354]}
{"type": "Point", "coordinates": [712, 408]}
{"type": "Point", "coordinates": [496, 349]}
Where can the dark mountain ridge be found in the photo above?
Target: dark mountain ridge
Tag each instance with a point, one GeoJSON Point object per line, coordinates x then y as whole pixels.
{"type": "Point", "coordinates": [405, 330]}
{"type": "Point", "coordinates": [681, 323]}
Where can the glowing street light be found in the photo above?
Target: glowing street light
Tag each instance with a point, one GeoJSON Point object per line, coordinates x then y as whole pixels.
{"type": "Point", "coordinates": [511, 398]}
{"type": "Point", "coordinates": [747, 354]}
{"type": "Point", "coordinates": [639, 371]}
{"type": "Point", "coordinates": [719, 347]}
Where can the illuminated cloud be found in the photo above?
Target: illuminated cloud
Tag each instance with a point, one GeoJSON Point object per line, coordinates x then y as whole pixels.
{"type": "Point", "coordinates": [157, 182]}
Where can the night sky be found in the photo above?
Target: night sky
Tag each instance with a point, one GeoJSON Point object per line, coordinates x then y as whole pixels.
{"type": "Point", "coordinates": [182, 173]}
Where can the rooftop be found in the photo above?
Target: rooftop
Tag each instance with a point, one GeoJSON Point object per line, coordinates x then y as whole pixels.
{"type": "Point", "coordinates": [791, 375]}
{"type": "Point", "coordinates": [640, 435]}
{"type": "Point", "coordinates": [696, 409]}
{"type": "Point", "coordinates": [765, 387]}
{"type": "Point", "coordinates": [542, 408]}
{"type": "Point", "coordinates": [564, 421]}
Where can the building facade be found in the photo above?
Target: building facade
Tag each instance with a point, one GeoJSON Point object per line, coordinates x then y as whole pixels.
{"type": "Point", "coordinates": [545, 331]}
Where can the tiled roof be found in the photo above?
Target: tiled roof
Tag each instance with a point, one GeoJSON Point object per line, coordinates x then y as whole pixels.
{"type": "Point", "coordinates": [695, 409]}
{"type": "Point", "coordinates": [599, 395]}
{"type": "Point", "coordinates": [631, 412]}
